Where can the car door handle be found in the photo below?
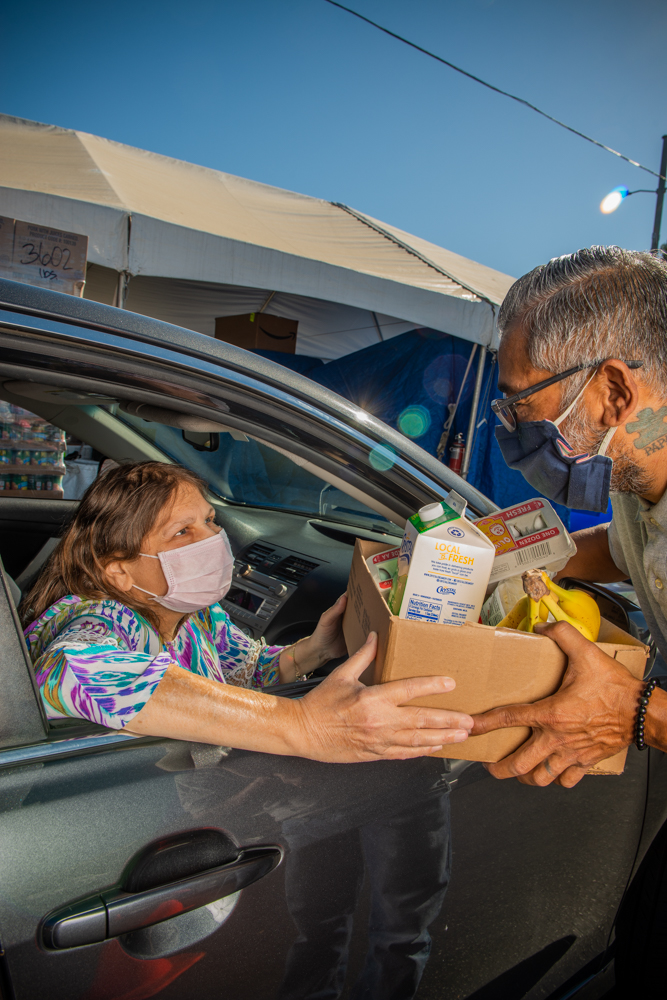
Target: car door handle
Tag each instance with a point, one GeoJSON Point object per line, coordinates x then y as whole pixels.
{"type": "Point", "coordinates": [112, 912]}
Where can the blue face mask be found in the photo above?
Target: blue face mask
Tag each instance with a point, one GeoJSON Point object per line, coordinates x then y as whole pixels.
{"type": "Point", "coordinates": [538, 450]}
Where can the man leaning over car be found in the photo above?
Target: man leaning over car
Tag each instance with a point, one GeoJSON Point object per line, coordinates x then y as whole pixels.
{"type": "Point", "coordinates": [597, 320]}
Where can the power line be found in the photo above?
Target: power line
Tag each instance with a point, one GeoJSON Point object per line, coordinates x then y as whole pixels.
{"type": "Point", "coordinates": [490, 86]}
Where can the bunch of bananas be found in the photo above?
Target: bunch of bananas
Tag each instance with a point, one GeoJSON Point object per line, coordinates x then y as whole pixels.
{"type": "Point", "coordinates": [543, 596]}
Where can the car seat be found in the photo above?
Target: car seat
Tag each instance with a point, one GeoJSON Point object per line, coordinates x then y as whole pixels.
{"type": "Point", "coordinates": [14, 590]}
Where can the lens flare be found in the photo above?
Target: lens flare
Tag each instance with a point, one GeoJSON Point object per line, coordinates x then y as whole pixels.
{"type": "Point", "coordinates": [437, 379]}
{"type": "Point", "coordinates": [382, 457]}
{"type": "Point", "coordinates": [363, 417]}
{"type": "Point", "coordinates": [613, 200]}
{"type": "Point", "coordinates": [414, 421]}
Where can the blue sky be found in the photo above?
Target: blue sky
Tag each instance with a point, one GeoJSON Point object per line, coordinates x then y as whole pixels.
{"type": "Point", "coordinates": [298, 94]}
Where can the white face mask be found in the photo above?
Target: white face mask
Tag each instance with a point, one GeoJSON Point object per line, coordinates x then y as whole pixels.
{"type": "Point", "coordinates": [197, 575]}
{"type": "Point", "coordinates": [602, 450]}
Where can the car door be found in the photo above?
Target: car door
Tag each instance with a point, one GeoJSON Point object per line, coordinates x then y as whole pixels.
{"type": "Point", "coordinates": [142, 867]}
{"type": "Point", "coordinates": [97, 817]}
{"type": "Point", "coordinates": [136, 868]}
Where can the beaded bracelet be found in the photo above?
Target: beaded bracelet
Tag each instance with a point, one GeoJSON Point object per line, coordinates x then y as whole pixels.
{"type": "Point", "coordinates": [641, 712]}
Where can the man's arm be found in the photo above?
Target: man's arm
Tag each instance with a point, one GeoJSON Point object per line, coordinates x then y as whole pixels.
{"type": "Point", "coordinates": [592, 716]}
{"type": "Point", "coordinates": [592, 560]}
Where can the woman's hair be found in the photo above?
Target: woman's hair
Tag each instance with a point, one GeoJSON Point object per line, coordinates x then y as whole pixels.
{"type": "Point", "coordinates": [113, 518]}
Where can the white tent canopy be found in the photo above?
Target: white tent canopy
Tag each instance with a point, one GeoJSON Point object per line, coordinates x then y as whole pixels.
{"type": "Point", "coordinates": [197, 243]}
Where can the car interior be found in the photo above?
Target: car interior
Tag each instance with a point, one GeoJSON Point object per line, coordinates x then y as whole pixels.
{"type": "Point", "coordinates": [292, 532]}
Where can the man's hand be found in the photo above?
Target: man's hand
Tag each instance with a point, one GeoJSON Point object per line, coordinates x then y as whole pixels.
{"type": "Point", "coordinates": [591, 716]}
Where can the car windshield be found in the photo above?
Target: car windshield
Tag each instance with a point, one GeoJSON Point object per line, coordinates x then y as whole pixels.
{"type": "Point", "coordinates": [244, 471]}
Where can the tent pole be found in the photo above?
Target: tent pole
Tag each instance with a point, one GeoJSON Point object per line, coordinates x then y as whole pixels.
{"type": "Point", "coordinates": [266, 302]}
{"type": "Point", "coordinates": [470, 440]}
{"type": "Point", "coordinates": [453, 407]}
{"type": "Point", "coordinates": [377, 326]}
{"type": "Point", "coordinates": [120, 290]}
{"type": "Point", "coordinates": [124, 276]}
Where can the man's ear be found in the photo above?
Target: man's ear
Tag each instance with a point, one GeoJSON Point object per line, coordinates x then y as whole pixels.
{"type": "Point", "coordinates": [118, 576]}
{"type": "Point", "coordinates": [620, 392]}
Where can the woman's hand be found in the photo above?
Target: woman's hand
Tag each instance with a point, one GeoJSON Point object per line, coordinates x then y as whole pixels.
{"type": "Point", "coordinates": [342, 720]}
{"type": "Point", "coordinates": [326, 643]}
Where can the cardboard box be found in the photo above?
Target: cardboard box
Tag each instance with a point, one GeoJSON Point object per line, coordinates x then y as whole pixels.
{"type": "Point", "coordinates": [491, 667]}
{"type": "Point", "coordinates": [40, 255]}
{"type": "Point", "coordinates": [258, 330]}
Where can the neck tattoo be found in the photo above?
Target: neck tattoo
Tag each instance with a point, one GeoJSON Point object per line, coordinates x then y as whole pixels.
{"type": "Point", "coordinates": [652, 430]}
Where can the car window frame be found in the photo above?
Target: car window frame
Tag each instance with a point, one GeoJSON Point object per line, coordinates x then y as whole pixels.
{"type": "Point", "coordinates": [217, 387]}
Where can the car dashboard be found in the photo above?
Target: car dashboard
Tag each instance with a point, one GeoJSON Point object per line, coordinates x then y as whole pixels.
{"type": "Point", "coordinates": [288, 569]}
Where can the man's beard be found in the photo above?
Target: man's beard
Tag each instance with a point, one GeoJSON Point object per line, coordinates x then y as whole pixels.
{"type": "Point", "coordinates": [584, 437]}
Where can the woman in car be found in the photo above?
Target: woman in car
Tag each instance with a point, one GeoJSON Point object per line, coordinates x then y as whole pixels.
{"type": "Point", "coordinates": [124, 628]}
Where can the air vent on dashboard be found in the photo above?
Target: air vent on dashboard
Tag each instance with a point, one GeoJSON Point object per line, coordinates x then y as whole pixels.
{"type": "Point", "coordinates": [294, 569]}
{"type": "Point", "coordinates": [258, 554]}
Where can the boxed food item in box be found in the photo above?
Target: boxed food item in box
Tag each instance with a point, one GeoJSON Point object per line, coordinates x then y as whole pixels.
{"type": "Point", "coordinates": [443, 567]}
{"type": "Point", "coordinates": [491, 667]}
{"type": "Point", "coordinates": [502, 600]}
{"type": "Point", "coordinates": [383, 567]}
{"type": "Point", "coordinates": [527, 536]}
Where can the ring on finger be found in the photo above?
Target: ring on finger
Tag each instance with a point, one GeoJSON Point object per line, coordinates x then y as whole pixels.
{"type": "Point", "coordinates": [548, 769]}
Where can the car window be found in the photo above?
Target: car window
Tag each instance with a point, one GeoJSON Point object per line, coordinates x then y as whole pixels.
{"type": "Point", "coordinates": [39, 459]}
{"type": "Point", "coordinates": [248, 472]}
{"type": "Point", "coordinates": [32, 454]}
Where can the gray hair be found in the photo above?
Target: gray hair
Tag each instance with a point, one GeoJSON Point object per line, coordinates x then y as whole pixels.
{"type": "Point", "coordinates": [600, 302]}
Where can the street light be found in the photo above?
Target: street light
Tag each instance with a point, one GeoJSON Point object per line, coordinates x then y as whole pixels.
{"type": "Point", "coordinates": [611, 201]}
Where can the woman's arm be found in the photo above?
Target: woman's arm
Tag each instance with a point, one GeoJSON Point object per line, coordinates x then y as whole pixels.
{"type": "Point", "coordinates": [326, 643]}
{"type": "Point", "coordinates": [340, 721]}
{"type": "Point", "coordinates": [247, 663]}
{"type": "Point", "coordinates": [90, 672]}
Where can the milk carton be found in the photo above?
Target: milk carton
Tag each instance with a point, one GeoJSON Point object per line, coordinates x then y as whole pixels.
{"type": "Point", "coordinates": [444, 566]}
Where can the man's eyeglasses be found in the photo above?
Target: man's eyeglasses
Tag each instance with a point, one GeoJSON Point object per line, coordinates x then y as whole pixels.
{"type": "Point", "coordinates": [505, 408]}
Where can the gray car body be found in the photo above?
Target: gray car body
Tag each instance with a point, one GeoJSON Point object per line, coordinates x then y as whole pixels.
{"type": "Point", "coordinates": [538, 874]}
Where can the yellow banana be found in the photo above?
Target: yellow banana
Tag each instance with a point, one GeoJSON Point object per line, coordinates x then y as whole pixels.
{"type": "Point", "coordinates": [516, 615]}
{"type": "Point", "coordinates": [561, 616]}
{"type": "Point", "coordinates": [578, 605]}
{"type": "Point", "coordinates": [533, 614]}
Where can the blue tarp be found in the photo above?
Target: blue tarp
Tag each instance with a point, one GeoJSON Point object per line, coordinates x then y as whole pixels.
{"type": "Point", "coordinates": [408, 382]}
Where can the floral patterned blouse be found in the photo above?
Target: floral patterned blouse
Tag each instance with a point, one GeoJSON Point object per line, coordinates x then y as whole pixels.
{"type": "Point", "coordinates": [101, 661]}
